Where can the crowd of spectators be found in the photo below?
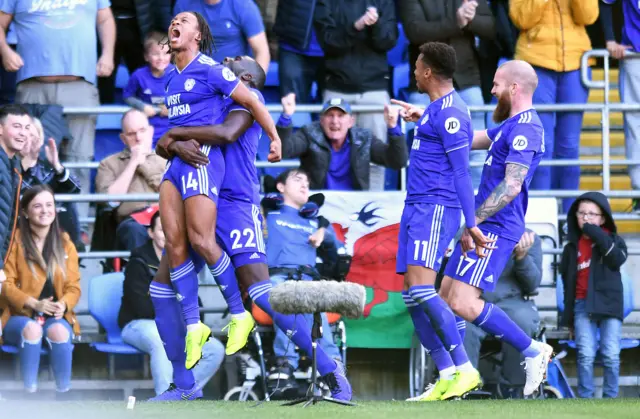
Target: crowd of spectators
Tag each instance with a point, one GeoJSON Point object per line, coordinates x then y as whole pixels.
{"type": "Point", "coordinates": [330, 52]}
{"type": "Point", "coordinates": [327, 49]}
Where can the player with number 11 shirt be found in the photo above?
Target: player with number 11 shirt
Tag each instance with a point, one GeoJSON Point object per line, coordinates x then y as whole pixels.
{"type": "Point", "coordinates": [439, 191]}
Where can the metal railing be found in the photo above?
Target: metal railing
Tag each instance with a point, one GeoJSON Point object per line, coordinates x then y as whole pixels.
{"type": "Point", "coordinates": [604, 109]}
{"type": "Point", "coordinates": [126, 254]}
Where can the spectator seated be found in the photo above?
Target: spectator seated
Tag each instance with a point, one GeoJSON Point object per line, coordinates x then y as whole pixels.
{"type": "Point", "coordinates": [134, 170]}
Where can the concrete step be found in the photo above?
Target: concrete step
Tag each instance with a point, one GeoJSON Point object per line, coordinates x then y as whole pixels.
{"type": "Point", "coordinates": [593, 183]}
{"type": "Point", "coordinates": [594, 139]}
{"type": "Point", "coordinates": [598, 74]}
{"type": "Point", "coordinates": [614, 167]}
{"type": "Point", "coordinates": [597, 96]}
{"type": "Point", "coordinates": [592, 119]}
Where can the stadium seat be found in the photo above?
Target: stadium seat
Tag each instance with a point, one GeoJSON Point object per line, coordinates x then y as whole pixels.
{"type": "Point", "coordinates": [271, 90]}
{"type": "Point", "coordinates": [105, 298]}
{"type": "Point", "coordinates": [399, 54]}
{"type": "Point", "coordinates": [122, 77]}
{"type": "Point", "coordinates": [272, 75]}
{"type": "Point", "coordinates": [109, 121]}
{"type": "Point", "coordinates": [13, 350]}
{"type": "Point", "coordinates": [107, 140]}
{"type": "Point", "coordinates": [300, 119]}
{"type": "Point", "coordinates": [400, 78]}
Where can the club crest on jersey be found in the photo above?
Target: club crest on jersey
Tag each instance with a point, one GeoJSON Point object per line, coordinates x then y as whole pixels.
{"type": "Point", "coordinates": [228, 74]}
{"type": "Point", "coordinates": [520, 142]}
{"type": "Point", "coordinates": [425, 119]}
{"type": "Point", "coordinates": [452, 125]}
{"type": "Point", "coordinates": [188, 84]}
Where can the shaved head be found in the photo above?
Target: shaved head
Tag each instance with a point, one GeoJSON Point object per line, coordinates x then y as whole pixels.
{"type": "Point", "coordinates": [521, 73]}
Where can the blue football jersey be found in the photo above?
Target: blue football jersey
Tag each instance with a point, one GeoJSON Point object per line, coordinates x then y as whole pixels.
{"type": "Point", "coordinates": [445, 126]}
{"type": "Point", "coordinates": [196, 95]}
{"type": "Point", "coordinates": [241, 177]}
{"type": "Point", "coordinates": [518, 140]}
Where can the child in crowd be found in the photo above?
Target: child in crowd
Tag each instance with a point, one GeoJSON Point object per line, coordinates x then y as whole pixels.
{"type": "Point", "coordinates": [145, 90]}
{"type": "Point", "coordinates": [593, 291]}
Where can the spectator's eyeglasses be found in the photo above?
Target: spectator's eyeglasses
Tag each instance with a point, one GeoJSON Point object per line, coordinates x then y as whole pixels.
{"type": "Point", "coordinates": [588, 215]}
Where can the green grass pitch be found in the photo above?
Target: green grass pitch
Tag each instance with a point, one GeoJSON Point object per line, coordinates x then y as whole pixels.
{"type": "Point", "coordinates": [476, 409]}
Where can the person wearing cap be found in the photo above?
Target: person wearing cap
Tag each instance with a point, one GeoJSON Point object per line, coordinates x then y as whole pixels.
{"type": "Point", "coordinates": [356, 36]}
{"type": "Point", "coordinates": [334, 152]}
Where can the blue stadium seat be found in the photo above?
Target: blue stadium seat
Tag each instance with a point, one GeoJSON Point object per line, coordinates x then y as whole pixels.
{"type": "Point", "coordinates": [399, 54]}
{"type": "Point", "coordinates": [122, 76]}
{"type": "Point", "coordinates": [300, 119]}
{"type": "Point", "coordinates": [109, 121]}
{"type": "Point", "coordinates": [105, 298]}
{"type": "Point", "coordinates": [271, 90]}
{"type": "Point", "coordinates": [272, 75]}
{"type": "Point", "coordinates": [400, 78]}
{"type": "Point", "coordinates": [107, 140]}
{"type": "Point", "coordinates": [13, 350]}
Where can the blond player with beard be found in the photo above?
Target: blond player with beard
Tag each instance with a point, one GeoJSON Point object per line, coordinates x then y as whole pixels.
{"type": "Point", "coordinates": [515, 150]}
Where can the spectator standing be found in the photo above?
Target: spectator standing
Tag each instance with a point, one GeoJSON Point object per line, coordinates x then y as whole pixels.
{"type": "Point", "coordinates": [135, 20]}
{"type": "Point", "coordinates": [146, 88]}
{"type": "Point", "coordinates": [136, 317]}
{"type": "Point", "coordinates": [57, 63]}
{"type": "Point", "coordinates": [355, 37]}
{"type": "Point", "coordinates": [301, 59]}
{"type": "Point", "coordinates": [42, 288]}
{"type": "Point", "coordinates": [629, 78]}
{"type": "Point", "coordinates": [134, 170]}
{"type": "Point", "coordinates": [49, 171]}
{"type": "Point", "coordinates": [236, 26]}
{"type": "Point", "coordinates": [336, 154]}
{"type": "Point", "coordinates": [553, 39]}
{"type": "Point", "coordinates": [521, 277]}
{"type": "Point", "coordinates": [14, 121]}
{"type": "Point", "coordinates": [593, 292]}
{"type": "Point", "coordinates": [456, 23]}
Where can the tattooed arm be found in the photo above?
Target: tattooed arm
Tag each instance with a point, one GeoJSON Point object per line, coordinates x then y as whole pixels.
{"type": "Point", "coordinates": [504, 193]}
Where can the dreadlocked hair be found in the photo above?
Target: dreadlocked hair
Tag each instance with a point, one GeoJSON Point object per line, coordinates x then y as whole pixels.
{"type": "Point", "coordinates": [206, 45]}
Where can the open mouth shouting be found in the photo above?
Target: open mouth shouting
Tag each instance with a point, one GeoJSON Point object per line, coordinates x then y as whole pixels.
{"type": "Point", "coordinates": [174, 35]}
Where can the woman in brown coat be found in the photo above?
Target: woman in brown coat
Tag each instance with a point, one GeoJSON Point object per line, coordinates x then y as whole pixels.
{"type": "Point", "coordinates": [41, 290]}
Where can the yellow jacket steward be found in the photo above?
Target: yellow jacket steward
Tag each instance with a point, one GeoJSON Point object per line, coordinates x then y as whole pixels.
{"type": "Point", "coordinates": [552, 32]}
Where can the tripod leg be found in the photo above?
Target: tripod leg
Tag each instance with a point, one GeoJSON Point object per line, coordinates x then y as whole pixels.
{"type": "Point", "coordinates": [336, 401]}
{"type": "Point", "coordinates": [295, 402]}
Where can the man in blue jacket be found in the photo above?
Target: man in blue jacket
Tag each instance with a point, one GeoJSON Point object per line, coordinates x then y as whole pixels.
{"type": "Point", "coordinates": [294, 234]}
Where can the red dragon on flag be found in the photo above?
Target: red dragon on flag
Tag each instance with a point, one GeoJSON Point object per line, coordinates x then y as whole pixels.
{"type": "Point", "coordinates": [374, 257]}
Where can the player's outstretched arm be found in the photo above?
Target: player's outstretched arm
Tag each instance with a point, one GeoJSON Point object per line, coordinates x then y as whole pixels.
{"type": "Point", "coordinates": [234, 125]}
{"type": "Point", "coordinates": [504, 193]}
{"type": "Point", "coordinates": [481, 140]}
{"type": "Point", "coordinates": [243, 96]}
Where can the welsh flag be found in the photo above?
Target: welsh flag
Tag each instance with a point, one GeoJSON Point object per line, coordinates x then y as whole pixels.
{"type": "Point", "coordinates": [368, 223]}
